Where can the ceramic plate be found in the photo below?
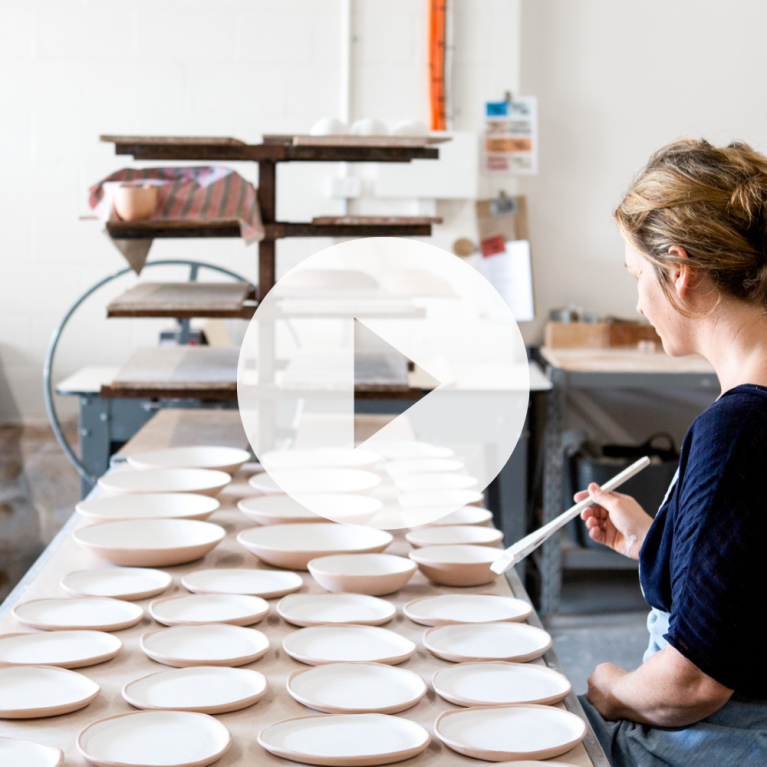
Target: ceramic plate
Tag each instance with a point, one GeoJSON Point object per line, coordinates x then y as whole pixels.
{"type": "Point", "coordinates": [515, 642]}
{"type": "Point", "coordinates": [169, 738]}
{"type": "Point", "coordinates": [203, 481]}
{"type": "Point", "coordinates": [462, 565]}
{"type": "Point", "coordinates": [257, 583]}
{"type": "Point", "coordinates": [468, 515]}
{"type": "Point", "coordinates": [498, 684]}
{"type": "Point", "coordinates": [276, 510]}
{"type": "Point", "coordinates": [320, 458]}
{"type": "Point", "coordinates": [109, 508]}
{"type": "Point", "coordinates": [345, 740]}
{"type": "Point", "coordinates": [66, 649]}
{"type": "Point", "coordinates": [412, 482]}
{"type": "Point", "coordinates": [150, 542]}
{"type": "Point", "coordinates": [127, 583]}
{"type": "Point", "coordinates": [316, 609]}
{"type": "Point", "coordinates": [205, 689]}
{"type": "Point", "coordinates": [373, 574]}
{"type": "Point", "coordinates": [265, 484]}
{"type": "Point", "coordinates": [228, 459]}
{"type": "Point", "coordinates": [215, 644]}
{"type": "Point", "coordinates": [25, 753]}
{"type": "Point", "coordinates": [292, 546]}
{"type": "Point", "coordinates": [499, 733]}
{"type": "Point", "coordinates": [407, 451]}
{"type": "Point", "coordinates": [353, 644]}
{"type": "Point", "coordinates": [447, 498]}
{"type": "Point", "coordinates": [31, 692]}
{"type": "Point", "coordinates": [445, 609]}
{"type": "Point", "coordinates": [98, 613]}
{"type": "Point", "coordinates": [325, 480]}
{"type": "Point", "coordinates": [339, 506]}
{"type": "Point", "coordinates": [237, 609]}
{"type": "Point", "coordinates": [422, 465]}
{"type": "Point", "coordinates": [357, 688]}
{"type": "Point", "coordinates": [454, 535]}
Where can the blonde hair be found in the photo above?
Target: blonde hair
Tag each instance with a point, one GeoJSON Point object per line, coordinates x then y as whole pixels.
{"type": "Point", "coordinates": [710, 201]}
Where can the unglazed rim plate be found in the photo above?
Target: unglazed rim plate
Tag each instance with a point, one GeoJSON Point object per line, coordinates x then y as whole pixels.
{"type": "Point", "coordinates": [318, 645]}
{"type": "Point", "coordinates": [335, 609]}
{"type": "Point", "coordinates": [477, 684]}
{"type": "Point", "coordinates": [64, 649]}
{"type": "Point", "coordinates": [320, 458]}
{"type": "Point", "coordinates": [422, 466]}
{"type": "Point", "coordinates": [466, 515]}
{"type": "Point", "coordinates": [447, 498]}
{"type": "Point", "coordinates": [309, 481]}
{"type": "Point", "coordinates": [123, 739]}
{"type": "Point", "coordinates": [127, 583]}
{"type": "Point", "coordinates": [446, 609]}
{"type": "Point", "coordinates": [373, 574]}
{"type": "Point", "coordinates": [22, 753]}
{"type": "Point", "coordinates": [265, 485]}
{"type": "Point", "coordinates": [414, 482]}
{"type": "Point", "coordinates": [203, 481]}
{"type": "Point", "coordinates": [454, 535]}
{"type": "Point", "coordinates": [284, 739]}
{"type": "Point", "coordinates": [219, 458]}
{"type": "Point", "coordinates": [357, 688]}
{"type": "Point", "coordinates": [52, 690]}
{"type": "Point", "coordinates": [199, 609]}
{"type": "Point", "coordinates": [92, 613]}
{"type": "Point", "coordinates": [489, 732]}
{"type": "Point", "coordinates": [203, 689]}
{"type": "Point", "coordinates": [467, 642]}
{"type": "Point", "coordinates": [251, 581]}
{"type": "Point", "coordinates": [111, 508]}
{"type": "Point", "coordinates": [277, 510]}
{"type": "Point", "coordinates": [413, 450]}
{"type": "Point", "coordinates": [185, 646]}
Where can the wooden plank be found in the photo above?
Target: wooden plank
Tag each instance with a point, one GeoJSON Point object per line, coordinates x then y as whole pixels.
{"type": "Point", "coordinates": [368, 141]}
{"type": "Point", "coordinates": [279, 230]}
{"type": "Point", "coordinates": [623, 361]}
{"type": "Point", "coordinates": [152, 228]}
{"type": "Point", "coordinates": [174, 140]}
{"type": "Point", "coordinates": [376, 220]}
{"type": "Point", "coordinates": [183, 300]}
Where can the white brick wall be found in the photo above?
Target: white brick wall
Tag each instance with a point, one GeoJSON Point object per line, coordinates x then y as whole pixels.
{"type": "Point", "coordinates": [73, 69]}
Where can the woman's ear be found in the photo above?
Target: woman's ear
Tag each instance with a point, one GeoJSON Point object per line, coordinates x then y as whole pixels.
{"type": "Point", "coordinates": [681, 275]}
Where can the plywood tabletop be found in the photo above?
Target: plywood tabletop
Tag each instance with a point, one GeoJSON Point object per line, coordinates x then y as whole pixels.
{"type": "Point", "coordinates": [624, 361]}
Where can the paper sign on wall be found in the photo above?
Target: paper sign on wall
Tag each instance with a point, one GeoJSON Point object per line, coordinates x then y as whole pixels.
{"type": "Point", "coordinates": [510, 274]}
{"type": "Point", "coordinates": [511, 136]}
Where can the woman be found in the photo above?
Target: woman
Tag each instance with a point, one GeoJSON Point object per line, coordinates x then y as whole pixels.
{"type": "Point", "coordinates": [695, 225]}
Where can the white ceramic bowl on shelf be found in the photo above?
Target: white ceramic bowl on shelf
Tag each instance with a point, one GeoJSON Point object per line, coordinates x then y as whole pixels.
{"type": "Point", "coordinates": [373, 574]}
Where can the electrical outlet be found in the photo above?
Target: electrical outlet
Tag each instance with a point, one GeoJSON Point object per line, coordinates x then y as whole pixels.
{"type": "Point", "coordinates": [345, 187]}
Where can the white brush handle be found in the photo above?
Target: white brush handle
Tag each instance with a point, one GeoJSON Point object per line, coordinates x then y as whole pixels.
{"type": "Point", "coordinates": [531, 542]}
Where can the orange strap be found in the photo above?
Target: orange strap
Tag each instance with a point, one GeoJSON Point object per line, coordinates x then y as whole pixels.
{"type": "Point", "coordinates": [437, 63]}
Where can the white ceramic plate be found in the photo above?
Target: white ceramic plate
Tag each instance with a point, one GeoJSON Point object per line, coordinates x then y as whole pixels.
{"type": "Point", "coordinates": [318, 645]}
{"type": "Point", "coordinates": [150, 542]}
{"type": "Point", "coordinates": [320, 458]}
{"type": "Point", "coordinates": [500, 683]}
{"type": "Point", "coordinates": [205, 689]}
{"type": "Point", "coordinates": [515, 642]}
{"type": "Point", "coordinates": [340, 507]}
{"type": "Point", "coordinates": [215, 644]}
{"type": "Point", "coordinates": [169, 738]}
{"type": "Point", "coordinates": [66, 649]}
{"type": "Point", "coordinates": [318, 609]}
{"type": "Point", "coordinates": [109, 508]}
{"type": "Point", "coordinates": [454, 535]}
{"type": "Point", "coordinates": [412, 482]}
{"type": "Point", "coordinates": [422, 465]}
{"type": "Point", "coordinates": [373, 574]}
{"type": "Point", "coordinates": [203, 481]}
{"type": "Point", "coordinates": [499, 733]}
{"type": "Point", "coordinates": [257, 583]}
{"type": "Point", "coordinates": [407, 451]}
{"type": "Point", "coordinates": [357, 688]}
{"type": "Point", "coordinates": [468, 515]}
{"type": "Point", "coordinates": [129, 583]}
{"type": "Point", "coordinates": [228, 459]}
{"type": "Point", "coordinates": [292, 546]}
{"type": "Point", "coordinates": [97, 613]}
{"type": "Point", "coordinates": [265, 484]}
{"type": "Point", "coordinates": [462, 565]}
{"type": "Point", "coordinates": [30, 692]}
{"type": "Point", "coordinates": [276, 510]}
{"type": "Point", "coordinates": [447, 498]}
{"type": "Point", "coordinates": [345, 740]}
{"type": "Point", "coordinates": [25, 753]}
{"type": "Point", "coordinates": [197, 609]}
{"type": "Point", "coordinates": [308, 481]}
{"type": "Point", "coordinates": [446, 609]}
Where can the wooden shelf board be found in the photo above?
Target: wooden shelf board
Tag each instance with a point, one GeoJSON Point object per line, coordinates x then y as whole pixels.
{"type": "Point", "coordinates": [376, 220]}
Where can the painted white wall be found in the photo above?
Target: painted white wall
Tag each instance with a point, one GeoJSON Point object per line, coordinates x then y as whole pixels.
{"type": "Point", "coordinates": [73, 69]}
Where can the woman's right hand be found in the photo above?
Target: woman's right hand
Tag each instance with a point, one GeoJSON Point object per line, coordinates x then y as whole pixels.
{"type": "Point", "coordinates": [615, 520]}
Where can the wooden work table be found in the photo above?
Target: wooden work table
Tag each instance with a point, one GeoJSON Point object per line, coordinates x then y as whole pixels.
{"type": "Point", "coordinates": [179, 427]}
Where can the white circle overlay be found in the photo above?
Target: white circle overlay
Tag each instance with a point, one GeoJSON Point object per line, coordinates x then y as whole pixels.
{"type": "Point", "coordinates": [357, 327]}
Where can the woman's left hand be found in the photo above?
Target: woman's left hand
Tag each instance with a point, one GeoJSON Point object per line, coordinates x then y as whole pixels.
{"type": "Point", "coordinates": [600, 688]}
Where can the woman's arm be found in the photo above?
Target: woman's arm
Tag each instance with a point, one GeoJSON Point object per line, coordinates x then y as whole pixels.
{"type": "Point", "coordinates": [666, 691]}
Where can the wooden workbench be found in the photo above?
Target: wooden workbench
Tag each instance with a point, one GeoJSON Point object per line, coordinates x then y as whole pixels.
{"type": "Point", "coordinates": [172, 428]}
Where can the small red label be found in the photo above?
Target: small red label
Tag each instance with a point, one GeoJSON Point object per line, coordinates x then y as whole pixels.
{"type": "Point", "coordinates": [492, 246]}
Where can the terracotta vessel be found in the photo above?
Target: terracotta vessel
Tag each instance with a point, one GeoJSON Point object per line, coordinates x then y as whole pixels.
{"type": "Point", "coordinates": [133, 203]}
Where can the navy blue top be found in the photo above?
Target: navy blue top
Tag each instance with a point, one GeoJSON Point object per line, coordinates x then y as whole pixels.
{"type": "Point", "coordinates": [704, 560]}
